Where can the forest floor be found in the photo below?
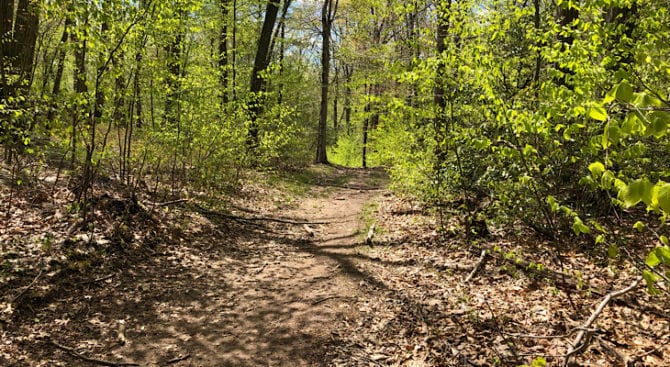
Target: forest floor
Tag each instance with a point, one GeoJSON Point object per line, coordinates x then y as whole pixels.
{"type": "Point", "coordinates": [280, 274]}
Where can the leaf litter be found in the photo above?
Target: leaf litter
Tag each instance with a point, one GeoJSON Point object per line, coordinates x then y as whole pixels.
{"type": "Point", "coordinates": [184, 287]}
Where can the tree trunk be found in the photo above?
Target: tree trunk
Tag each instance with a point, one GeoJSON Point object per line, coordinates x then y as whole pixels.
{"type": "Point", "coordinates": [223, 52]}
{"type": "Point", "coordinates": [538, 56]}
{"type": "Point", "coordinates": [348, 74]}
{"type": "Point", "coordinates": [622, 40]}
{"type": "Point", "coordinates": [440, 121]}
{"type": "Point", "coordinates": [335, 99]}
{"type": "Point", "coordinates": [18, 37]}
{"type": "Point", "coordinates": [65, 38]}
{"type": "Point", "coordinates": [366, 126]}
{"type": "Point", "coordinates": [18, 43]}
{"type": "Point", "coordinates": [261, 63]}
{"type": "Point", "coordinates": [80, 87]}
{"type": "Point", "coordinates": [567, 14]}
{"type": "Point", "coordinates": [282, 49]}
{"type": "Point", "coordinates": [139, 121]}
{"type": "Point", "coordinates": [327, 17]}
{"type": "Point", "coordinates": [174, 54]}
{"type": "Point", "coordinates": [234, 51]}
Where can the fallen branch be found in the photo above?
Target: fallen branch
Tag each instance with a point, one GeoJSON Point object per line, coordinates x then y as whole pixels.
{"type": "Point", "coordinates": [27, 288]}
{"type": "Point", "coordinates": [482, 257]}
{"type": "Point", "coordinates": [102, 362]}
{"type": "Point", "coordinates": [561, 336]}
{"type": "Point", "coordinates": [619, 357]}
{"type": "Point", "coordinates": [98, 280]}
{"type": "Point", "coordinates": [638, 357]}
{"type": "Point", "coordinates": [324, 300]}
{"type": "Point", "coordinates": [577, 344]}
{"type": "Point", "coordinates": [260, 270]}
{"type": "Point", "coordinates": [178, 201]}
{"type": "Point", "coordinates": [559, 278]}
{"type": "Point", "coordinates": [178, 359]}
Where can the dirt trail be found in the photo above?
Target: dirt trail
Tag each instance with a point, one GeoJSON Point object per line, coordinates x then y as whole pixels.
{"type": "Point", "coordinates": [276, 298]}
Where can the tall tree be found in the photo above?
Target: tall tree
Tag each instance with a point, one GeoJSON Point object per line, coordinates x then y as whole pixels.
{"type": "Point", "coordinates": [328, 12]}
{"type": "Point", "coordinates": [440, 98]}
{"type": "Point", "coordinates": [223, 50]}
{"type": "Point", "coordinates": [18, 35]}
{"type": "Point", "coordinates": [261, 63]}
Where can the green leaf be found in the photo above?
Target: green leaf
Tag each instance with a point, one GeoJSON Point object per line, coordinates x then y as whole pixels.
{"type": "Point", "coordinates": [634, 192]}
{"type": "Point", "coordinates": [664, 240]}
{"type": "Point", "coordinates": [598, 113]}
{"type": "Point", "coordinates": [552, 204]}
{"type": "Point", "coordinates": [661, 196]}
{"type": "Point", "coordinates": [632, 125]}
{"type": "Point", "coordinates": [614, 133]}
{"type": "Point", "coordinates": [650, 278]}
{"type": "Point", "coordinates": [579, 227]}
{"type": "Point", "coordinates": [659, 124]}
{"type": "Point", "coordinates": [663, 254]}
{"type": "Point", "coordinates": [639, 226]}
{"type": "Point", "coordinates": [613, 251]}
{"type": "Point", "coordinates": [652, 260]}
{"type": "Point", "coordinates": [624, 91]}
{"type": "Point", "coordinates": [597, 169]}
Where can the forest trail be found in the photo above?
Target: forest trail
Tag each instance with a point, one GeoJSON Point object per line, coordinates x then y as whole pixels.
{"type": "Point", "coordinates": [274, 298]}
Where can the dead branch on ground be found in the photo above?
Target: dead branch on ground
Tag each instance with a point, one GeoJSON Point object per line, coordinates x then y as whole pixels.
{"type": "Point", "coordinates": [578, 343]}
{"type": "Point", "coordinates": [178, 359]}
{"type": "Point", "coordinates": [27, 288]}
{"type": "Point", "coordinates": [102, 362]}
{"type": "Point", "coordinates": [482, 257]}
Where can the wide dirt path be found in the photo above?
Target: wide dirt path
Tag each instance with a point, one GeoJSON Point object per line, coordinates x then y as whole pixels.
{"type": "Point", "coordinates": [273, 297]}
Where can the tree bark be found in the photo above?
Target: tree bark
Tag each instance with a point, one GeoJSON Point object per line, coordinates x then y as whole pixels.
{"type": "Point", "coordinates": [567, 14]}
{"type": "Point", "coordinates": [348, 74]}
{"type": "Point", "coordinates": [328, 12]}
{"type": "Point", "coordinates": [65, 38]}
{"type": "Point", "coordinates": [261, 63]}
{"type": "Point", "coordinates": [18, 36]}
{"type": "Point", "coordinates": [223, 52]}
{"type": "Point", "coordinates": [174, 54]}
{"type": "Point", "coordinates": [440, 122]}
{"type": "Point", "coordinates": [335, 99]}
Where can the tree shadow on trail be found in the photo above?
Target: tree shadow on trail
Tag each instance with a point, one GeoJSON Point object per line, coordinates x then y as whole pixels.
{"type": "Point", "coordinates": [230, 294]}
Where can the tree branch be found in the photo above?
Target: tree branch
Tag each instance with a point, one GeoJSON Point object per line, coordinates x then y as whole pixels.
{"type": "Point", "coordinates": [577, 344]}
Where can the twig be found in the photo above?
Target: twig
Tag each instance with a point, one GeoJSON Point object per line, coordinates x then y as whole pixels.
{"type": "Point", "coordinates": [102, 362]}
{"type": "Point", "coordinates": [178, 359]}
{"type": "Point", "coordinates": [97, 280]}
{"type": "Point", "coordinates": [178, 201]}
{"type": "Point", "coordinates": [612, 351]}
{"type": "Point", "coordinates": [659, 347]}
{"type": "Point", "coordinates": [532, 336]}
{"type": "Point", "coordinates": [577, 343]}
{"type": "Point", "coordinates": [482, 257]}
{"type": "Point", "coordinates": [261, 269]}
{"type": "Point", "coordinates": [324, 300]}
{"type": "Point", "coordinates": [27, 288]}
